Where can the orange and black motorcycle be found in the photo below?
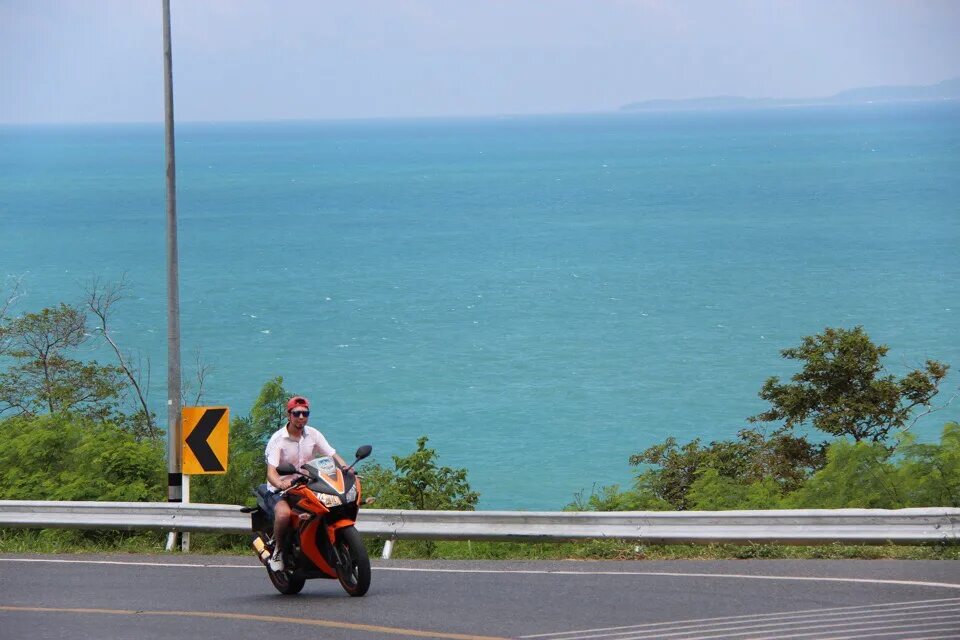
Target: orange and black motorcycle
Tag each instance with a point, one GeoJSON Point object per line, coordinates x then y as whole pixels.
{"type": "Point", "coordinates": [322, 541]}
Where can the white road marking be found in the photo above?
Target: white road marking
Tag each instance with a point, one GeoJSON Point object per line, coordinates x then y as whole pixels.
{"type": "Point", "coordinates": [869, 630]}
{"type": "Point", "coordinates": [952, 635]}
{"type": "Point", "coordinates": [134, 563]}
{"type": "Point", "coordinates": [739, 576]}
{"type": "Point", "coordinates": [738, 627]}
{"type": "Point", "coordinates": [669, 574]}
{"type": "Point", "coordinates": [863, 630]}
{"type": "Point", "coordinates": [874, 610]}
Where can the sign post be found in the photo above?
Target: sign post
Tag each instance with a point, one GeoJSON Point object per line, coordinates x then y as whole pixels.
{"type": "Point", "coordinates": [204, 449]}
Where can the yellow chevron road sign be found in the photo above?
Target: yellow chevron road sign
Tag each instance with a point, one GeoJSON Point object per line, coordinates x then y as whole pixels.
{"type": "Point", "coordinates": [206, 434]}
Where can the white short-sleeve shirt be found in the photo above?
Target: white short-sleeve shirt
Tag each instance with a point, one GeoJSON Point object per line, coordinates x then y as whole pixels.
{"type": "Point", "coordinates": [282, 448]}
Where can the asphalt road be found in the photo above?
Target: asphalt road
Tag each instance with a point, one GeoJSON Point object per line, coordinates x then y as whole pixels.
{"type": "Point", "coordinates": [207, 598]}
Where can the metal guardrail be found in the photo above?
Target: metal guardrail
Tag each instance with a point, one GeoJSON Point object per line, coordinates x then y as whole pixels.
{"type": "Point", "coordinates": [802, 526]}
{"type": "Point", "coordinates": [123, 516]}
{"type": "Point", "coordinates": [809, 526]}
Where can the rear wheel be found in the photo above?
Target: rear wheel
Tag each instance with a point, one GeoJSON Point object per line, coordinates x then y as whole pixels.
{"type": "Point", "coordinates": [354, 569]}
{"type": "Point", "coordinates": [287, 582]}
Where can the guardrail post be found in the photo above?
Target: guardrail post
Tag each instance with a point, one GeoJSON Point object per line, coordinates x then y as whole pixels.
{"type": "Point", "coordinates": [387, 549]}
{"type": "Point", "coordinates": [171, 540]}
{"type": "Point", "coordinates": [185, 535]}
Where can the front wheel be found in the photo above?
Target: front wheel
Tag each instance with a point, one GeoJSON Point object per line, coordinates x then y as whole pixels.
{"type": "Point", "coordinates": [353, 570]}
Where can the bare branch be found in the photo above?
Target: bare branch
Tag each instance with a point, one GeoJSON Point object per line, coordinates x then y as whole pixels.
{"type": "Point", "coordinates": [11, 297]}
{"type": "Point", "coordinates": [8, 301]}
{"type": "Point", "coordinates": [149, 372]}
{"type": "Point", "coordinates": [932, 409]}
{"type": "Point", "coordinates": [143, 371]}
{"type": "Point", "coordinates": [203, 369]}
{"type": "Point", "coordinates": [100, 300]}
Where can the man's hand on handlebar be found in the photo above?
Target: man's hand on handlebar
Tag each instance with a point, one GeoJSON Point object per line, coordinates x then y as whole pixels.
{"type": "Point", "coordinates": [288, 484]}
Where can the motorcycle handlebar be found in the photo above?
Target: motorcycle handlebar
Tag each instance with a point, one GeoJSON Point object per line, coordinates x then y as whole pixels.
{"type": "Point", "coordinates": [304, 479]}
{"type": "Point", "coordinates": [297, 481]}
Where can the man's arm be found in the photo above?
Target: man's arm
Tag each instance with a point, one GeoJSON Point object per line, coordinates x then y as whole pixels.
{"type": "Point", "coordinates": [274, 478]}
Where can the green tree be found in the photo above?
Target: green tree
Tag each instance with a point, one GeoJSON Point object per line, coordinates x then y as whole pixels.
{"type": "Point", "coordinates": [269, 411]}
{"type": "Point", "coordinates": [857, 474]}
{"type": "Point", "coordinates": [928, 475]}
{"type": "Point", "coordinates": [613, 498]}
{"type": "Point", "coordinates": [872, 475]}
{"type": "Point", "coordinates": [418, 482]}
{"type": "Point", "coordinates": [71, 457]}
{"type": "Point", "coordinates": [783, 459]}
{"type": "Point", "coordinates": [673, 468]}
{"type": "Point", "coordinates": [843, 389]}
{"type": "Point", "coordinates": [714, 492]}
{"type": "Point", "coordinates": [44, 377]}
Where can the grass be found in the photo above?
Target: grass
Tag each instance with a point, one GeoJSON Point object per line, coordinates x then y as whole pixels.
{"type": "Point", "coordinates": [140, 542]}
{"type": "Point", "coordinates": [74, 541]}
{"type": "Point", "coordinates": [630, 550]}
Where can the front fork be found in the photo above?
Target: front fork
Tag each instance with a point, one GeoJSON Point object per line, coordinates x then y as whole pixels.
{"type": "Point", "coordinates": [332, 534]}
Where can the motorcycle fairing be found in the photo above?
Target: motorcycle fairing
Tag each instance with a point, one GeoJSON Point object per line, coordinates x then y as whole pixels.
{"type": "Point", "coordinates": [325, 470]}
{"type": "Point", "coordinates": [309, 548]}
{"type": "Point", "coordinates": [333, 527]}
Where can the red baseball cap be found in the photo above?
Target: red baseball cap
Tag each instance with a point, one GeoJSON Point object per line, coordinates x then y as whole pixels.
{"type": "Point", "coordinates": [297, 401]}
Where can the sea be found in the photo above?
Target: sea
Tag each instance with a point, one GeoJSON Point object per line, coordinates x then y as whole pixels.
{"type": "Point", "coordinates": [540, 296]}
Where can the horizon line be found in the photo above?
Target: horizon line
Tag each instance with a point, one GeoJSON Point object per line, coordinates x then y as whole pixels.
{"type": "Point", "coordinates": [620, 111]}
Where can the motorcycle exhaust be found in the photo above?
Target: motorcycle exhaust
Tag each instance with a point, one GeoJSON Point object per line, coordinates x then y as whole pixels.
{"type": "Point", "coordinates": [260, 548]}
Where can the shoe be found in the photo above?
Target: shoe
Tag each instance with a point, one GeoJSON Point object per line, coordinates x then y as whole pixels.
{"type": "Point", "coordinates": [276, 560]}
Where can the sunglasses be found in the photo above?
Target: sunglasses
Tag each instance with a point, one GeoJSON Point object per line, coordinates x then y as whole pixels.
{"type": "Point", "coordinates": [300, 414]}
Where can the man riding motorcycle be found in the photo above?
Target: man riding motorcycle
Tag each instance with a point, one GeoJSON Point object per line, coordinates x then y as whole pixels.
{"type": "Point", "coordinates": [296, 443]}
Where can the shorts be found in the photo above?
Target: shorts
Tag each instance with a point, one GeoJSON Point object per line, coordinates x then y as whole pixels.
{"type": "Point", "coordinates": [269, 499]}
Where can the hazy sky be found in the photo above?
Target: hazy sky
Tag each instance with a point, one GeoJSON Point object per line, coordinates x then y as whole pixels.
{"type": "Point", "coordinates": [101, 60]}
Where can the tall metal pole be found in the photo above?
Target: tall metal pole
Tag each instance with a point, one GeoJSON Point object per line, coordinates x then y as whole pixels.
{"type": "Point", "coordinates": [174, 421]}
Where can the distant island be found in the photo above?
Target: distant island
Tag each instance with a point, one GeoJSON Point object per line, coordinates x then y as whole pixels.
{"type": "Point", "coordinates": [946, 90]}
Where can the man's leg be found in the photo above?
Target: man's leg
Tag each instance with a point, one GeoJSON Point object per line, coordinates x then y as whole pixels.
{"type": "Point", "coordinates": [281, 521]}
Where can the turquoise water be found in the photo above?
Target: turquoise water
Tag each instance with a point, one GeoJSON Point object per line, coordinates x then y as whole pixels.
{"type": "Point", "coordinates": [542, 296]}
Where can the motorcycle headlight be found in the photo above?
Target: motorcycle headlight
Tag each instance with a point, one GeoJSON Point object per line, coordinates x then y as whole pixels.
{"type": "Point", "coordinates": [352, 494]}
{"type": "Point", "coordinates": [328, 500]}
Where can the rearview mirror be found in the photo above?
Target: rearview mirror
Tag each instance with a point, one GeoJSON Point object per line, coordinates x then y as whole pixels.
{"type": "Point", "coordinates": [364, 451]}
{"type": "Point", "coordinates": [286, 469]}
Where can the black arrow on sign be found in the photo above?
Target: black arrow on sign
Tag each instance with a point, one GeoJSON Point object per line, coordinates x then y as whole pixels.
{"type": "Point", "coordinates": [197, 440]}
